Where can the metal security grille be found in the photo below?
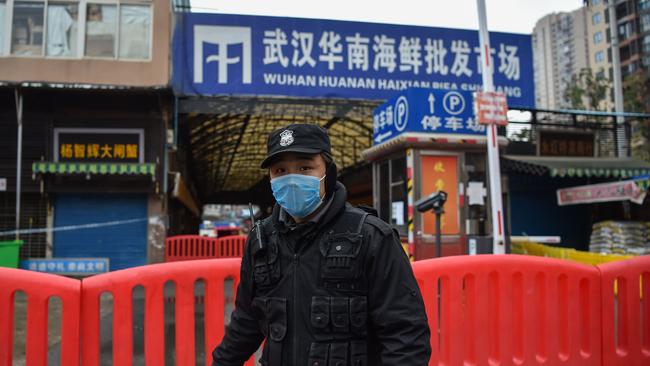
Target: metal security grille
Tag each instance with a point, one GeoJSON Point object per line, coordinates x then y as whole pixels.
{"type": "Point", "coordinates": [33, 215]}
{"type": "Point", "coordinates": [612, 139]}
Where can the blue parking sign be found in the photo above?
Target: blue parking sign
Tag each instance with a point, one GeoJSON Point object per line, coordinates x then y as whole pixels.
{"type": "Point", "coordinates": [426, 111]}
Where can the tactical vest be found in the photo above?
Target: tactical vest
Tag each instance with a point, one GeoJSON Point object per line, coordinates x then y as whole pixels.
{"type": "Point", "coordinates": [339, 324]}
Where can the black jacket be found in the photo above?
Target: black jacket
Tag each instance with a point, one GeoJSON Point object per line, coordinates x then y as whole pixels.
{"type": "Point", "coordinates": [320, 297]}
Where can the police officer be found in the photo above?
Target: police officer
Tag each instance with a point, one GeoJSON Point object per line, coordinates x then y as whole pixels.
{"type": "Point", "coordinates": [328, 284]}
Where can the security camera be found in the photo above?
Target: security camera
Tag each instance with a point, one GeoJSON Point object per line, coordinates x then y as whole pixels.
{"type": "Point", "coordinates": [433, 201]}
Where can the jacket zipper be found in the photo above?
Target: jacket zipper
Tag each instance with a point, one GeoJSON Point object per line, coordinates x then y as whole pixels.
{"type": "Point", "coordinates": [295, 309]}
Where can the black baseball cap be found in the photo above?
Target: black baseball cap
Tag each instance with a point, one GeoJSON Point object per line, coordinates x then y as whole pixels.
{"type": "Point", "coordinates": [299, 138]}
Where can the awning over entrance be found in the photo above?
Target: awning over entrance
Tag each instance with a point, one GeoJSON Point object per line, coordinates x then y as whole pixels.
{"type": "Point", "coordinates": [46, 167]}
{"type": "Point", "coordinates": [576, 167]}
{"type": "Point", "coordinates": [227, 135]}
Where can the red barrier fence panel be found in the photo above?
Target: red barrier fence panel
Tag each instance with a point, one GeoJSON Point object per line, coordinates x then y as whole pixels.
{"type": "Point", "coordinates": [39, 288]}
{"type": "Point", "coordinates": [231, 246]}
{"type": "Point", "coordinates": [188, 247]}
{"type": "Point", "coordinates": [511, 310]}
{"type": "Point", "coordinates": [626, 312]}
{"type": "Point", "coordinates": [153, 278]}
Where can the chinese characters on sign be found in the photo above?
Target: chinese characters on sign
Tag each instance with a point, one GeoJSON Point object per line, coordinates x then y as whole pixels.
{"type": "Point", "coordinates": [439, 173]}
{"type": "Point", "coordinates": [92, 146]}
{"type": "Point", "coordinates": [491, 108]}
{"type": "Point", "coordinates": [309, 57]}
{"type": "Point", "coordinates": [426, 110]}
{"type": "Point", "coordinates": [97, 151]}
{"type": "Point", "coordinates": [414, 55]}
{"type": "Point", "coordinates": [565, 144]}
{"type": "Point", "coordinates": [606, 192]}
{"type": "Point", "coordinates": [76, 266]}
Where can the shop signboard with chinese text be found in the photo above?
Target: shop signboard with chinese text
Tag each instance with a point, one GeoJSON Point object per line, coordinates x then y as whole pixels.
{"type": "Point", "coordinates": [426, 110]}
{"type": "Point", "coordinates": [605, 192]}
{"type": "Point", "coordinates": [552, 143]}
{"type": "Point", "coordinates": [221, 54]}
{"type": "Point", "coordinates": [98, 145]}
{"type": "Point", "coordinates": [440, 173]}
{"type": "Point", "coordinates": [67, 266]}
{"type": "Point", "coordinates": [491, 108]}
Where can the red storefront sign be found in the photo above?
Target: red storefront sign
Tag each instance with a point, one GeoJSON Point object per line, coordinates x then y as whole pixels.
{"type": "Point", "coordinates": [491, 108]}
{"type": "Point", "coordinates": [605, 192]}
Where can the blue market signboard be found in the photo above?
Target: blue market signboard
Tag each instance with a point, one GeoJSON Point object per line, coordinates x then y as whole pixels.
{"type": "Point", "coordinates": [217, 54]}
{"type": "Point", "coordinates": [426, 110]}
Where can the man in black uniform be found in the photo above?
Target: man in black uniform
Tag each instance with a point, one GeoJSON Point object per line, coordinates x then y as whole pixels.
{"type": "Point", "coordinates": [329, 284]}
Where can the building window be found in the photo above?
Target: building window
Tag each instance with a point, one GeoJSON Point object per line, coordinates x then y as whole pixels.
{"type": "Point", "coordinates": [62, 29]}
{"type": "Point", "coordinates": [600, 56]}
{"type": "Point", "coordinates": [27, 29]}
{"type": "Point", "coordinates": [101, 30]}
{"type": "Point", "coordinates": [646, 44]}
{"type": "Point", "coordinates": [625, 30]}
{"type": "Point", "coordinates": [595, 19]}
{"type": "Point", "coordinates": [646, 61]}
{"type": "Point", "coordinates": [645, 22]}
{"type": "Point", "coordinates": [3, 9]}
{"type": "Point", "coordinates": [135, 29]}
{"type": "Point", "coordinates": [52, 28]}
{"type": "Point", "coordinates": [598, 37]}
{"type": "Point", "coordinates": [392, 193]}
{"type": "Point", "coordinates": [644, 4]}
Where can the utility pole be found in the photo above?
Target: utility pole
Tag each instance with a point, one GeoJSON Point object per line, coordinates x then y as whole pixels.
{"type": "Point", "coordinates": [19, 157]}
{"type": "Point", "coordinates": [494, 170]}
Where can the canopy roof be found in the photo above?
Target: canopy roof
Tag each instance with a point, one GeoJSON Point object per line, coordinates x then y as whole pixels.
{"type": "Point", "coordinates": [577, 167]}
{"type": "Point", "coordinates": [227, 135]}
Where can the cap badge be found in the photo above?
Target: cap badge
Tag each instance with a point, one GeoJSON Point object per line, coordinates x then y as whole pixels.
{"type": "Point", "coordinates": [286, 138]}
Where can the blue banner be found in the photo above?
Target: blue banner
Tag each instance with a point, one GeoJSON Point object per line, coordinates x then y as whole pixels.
{"type": "Point", "coordinates": [216, 54]}
{"type": "Point", "coordinates": [426, 110]}
{"type": "Point", "coordinates": [67, 266]}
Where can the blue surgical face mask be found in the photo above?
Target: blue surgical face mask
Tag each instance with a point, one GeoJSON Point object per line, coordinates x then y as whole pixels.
{"type": "Point", "coordinates": [298, 194]}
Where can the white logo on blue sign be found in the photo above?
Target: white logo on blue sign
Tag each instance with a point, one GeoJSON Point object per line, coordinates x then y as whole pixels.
{"type": "Point", "coordinates": [222, 37]}
{"type": "Point", "coordinates": [401, 113]}
{"type": "Point", "coordinates": [453, 103]}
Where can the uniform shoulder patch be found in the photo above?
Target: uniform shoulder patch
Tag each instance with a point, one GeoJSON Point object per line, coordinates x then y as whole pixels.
{"type": "Point", "coordinates": [380, 224]}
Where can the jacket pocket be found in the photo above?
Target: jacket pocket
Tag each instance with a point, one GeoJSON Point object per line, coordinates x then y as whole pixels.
{"type": "Point", "coordinates": [340, 257]}
{"type": "Point", "coordinates": [340, 314]}
{"type": "Point", "coordinates": [320, 312]}
{"type": "Point", "coordinates": [271, 315]}
{"type": "Point", "coordinates": [359, 315]}
{"type": "Point", "coordinates": [259, 305]}
{"type": "Point", "coordinates": [266, 266]}
{"type": "Point", "coordinates": [318, 353]}
{"type": "Point", "coordinates": [338, 354]}
{"type": "Point", "coordinates": [277, 318]}
{"type": "Point", "coordinates": [358, 353]}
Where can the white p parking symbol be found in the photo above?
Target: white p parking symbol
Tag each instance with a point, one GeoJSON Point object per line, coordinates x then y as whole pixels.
{"type": "Point", "coordinates": [401, 113]}
{"type": "Point", "coordinates": [453, 102]}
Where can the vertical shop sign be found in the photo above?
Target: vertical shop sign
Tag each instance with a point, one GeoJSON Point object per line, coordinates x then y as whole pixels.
{"type": "Point", "coordinates": [440, 173]}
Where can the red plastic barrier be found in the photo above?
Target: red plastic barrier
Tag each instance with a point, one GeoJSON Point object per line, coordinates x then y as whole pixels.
{"type": "Point", "coordinates": [231, 246]}
{"type": "Point", "coordinates": [626, 312]}
{"type": "Point", "coordinates": [153, 279]}
{"type": "Point", "coordinates": [39, 287]}
{"type": "Point", "coordinates": [511, 310]}
{"type": "Point", "coordinates": [188, 247]}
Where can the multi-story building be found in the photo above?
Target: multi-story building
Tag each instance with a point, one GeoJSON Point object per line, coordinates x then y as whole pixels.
{"type": "Point", "coordinates": [599, 45]}
{"type": "Point", "coordinates": [91, 82]}
{"type": "Point", "coordinates": [560, 50]}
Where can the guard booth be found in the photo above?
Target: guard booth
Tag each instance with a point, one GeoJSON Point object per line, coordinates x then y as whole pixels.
{"type": "Point", "coordinates": [428, 140]}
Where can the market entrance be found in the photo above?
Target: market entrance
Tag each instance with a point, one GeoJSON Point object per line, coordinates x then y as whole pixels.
{"type": "Point", "coordinates": [223, 141]}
